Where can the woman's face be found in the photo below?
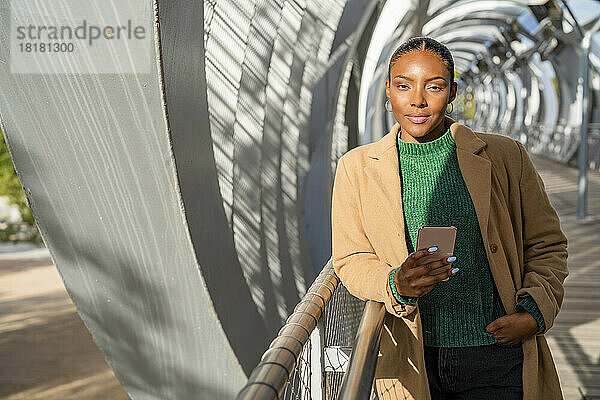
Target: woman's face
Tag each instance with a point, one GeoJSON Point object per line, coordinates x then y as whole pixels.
{"type": "Point", "coordinates": [419, 92]}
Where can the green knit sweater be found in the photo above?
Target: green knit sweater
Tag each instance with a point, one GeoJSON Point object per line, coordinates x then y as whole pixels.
{"type": "Point", "coordinates": [456, 312]}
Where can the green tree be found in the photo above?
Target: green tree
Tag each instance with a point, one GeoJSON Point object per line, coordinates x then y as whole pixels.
{"type": "Point", "coordinates": [10, 185]}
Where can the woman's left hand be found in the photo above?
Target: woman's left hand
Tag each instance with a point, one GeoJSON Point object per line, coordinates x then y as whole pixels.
{"type": "Point", "coordinates": [513, 328]}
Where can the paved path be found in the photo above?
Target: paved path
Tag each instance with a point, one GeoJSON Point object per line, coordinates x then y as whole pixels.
{"type": "Point", "coordinates": [575, 337]}
{"type": "Point", "coordinates": [45, 351]}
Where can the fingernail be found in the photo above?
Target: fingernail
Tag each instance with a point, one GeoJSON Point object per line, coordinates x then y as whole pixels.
{"type": "Point", "coordinates": [454, 271]}
{"type": "Point", "coordinates": [432, 249]}
{"type": "Point", "coordinates": [450, 259]}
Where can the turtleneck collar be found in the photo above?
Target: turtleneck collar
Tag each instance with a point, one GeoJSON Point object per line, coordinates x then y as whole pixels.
{"type": "Point", "coordinates": [443, 144]}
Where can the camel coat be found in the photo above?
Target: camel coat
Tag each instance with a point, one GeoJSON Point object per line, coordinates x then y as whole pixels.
{"type": "Point", "coordinates": [526, 249]}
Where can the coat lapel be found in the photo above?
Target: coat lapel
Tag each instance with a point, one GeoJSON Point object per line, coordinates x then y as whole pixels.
{"type": "Point", "coordinates": [384, 175]}
{"type": "Point", "coordinates": [476, 171]}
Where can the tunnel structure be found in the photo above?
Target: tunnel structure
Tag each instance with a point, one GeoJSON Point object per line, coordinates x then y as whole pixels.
{"type": "Point", "coordinates": [182, 180]}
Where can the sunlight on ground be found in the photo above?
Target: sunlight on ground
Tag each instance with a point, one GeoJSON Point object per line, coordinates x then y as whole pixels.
{"type": "Point", "coordinates": [45, 350]}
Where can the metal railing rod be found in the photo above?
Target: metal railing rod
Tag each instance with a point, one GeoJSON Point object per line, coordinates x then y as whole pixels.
{"type": "Point", "coordinates": [358, 378]}
{"type": "Point", "coordinates": [268, 379]}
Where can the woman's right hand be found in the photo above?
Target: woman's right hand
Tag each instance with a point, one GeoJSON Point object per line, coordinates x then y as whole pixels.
{"type": "Point", "coordinates": [411, 278]}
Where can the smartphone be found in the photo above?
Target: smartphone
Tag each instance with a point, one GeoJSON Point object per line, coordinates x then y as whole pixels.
{"type": "Point", "coordinates": [443, 237]}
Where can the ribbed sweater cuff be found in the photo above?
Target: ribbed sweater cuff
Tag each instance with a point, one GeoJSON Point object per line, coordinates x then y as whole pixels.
{"type": "Point", "coordinates": [529, 305]}
{"type": "Point", "coordinates": [400, 298]}
{"type": "Point", "coordinates": [407, 299]}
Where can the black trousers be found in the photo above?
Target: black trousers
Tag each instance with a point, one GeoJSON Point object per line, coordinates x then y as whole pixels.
{"type": "Point", "coordinates": [487, 372]}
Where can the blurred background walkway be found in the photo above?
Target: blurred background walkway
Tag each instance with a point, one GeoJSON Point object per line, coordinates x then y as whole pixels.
{"type": "Point", "coordinates": [575, 336]}
{"type": "Point", "coordinates": [45, 350]}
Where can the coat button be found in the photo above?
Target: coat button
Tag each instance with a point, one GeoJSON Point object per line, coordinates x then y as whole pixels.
{"type": "Point", "coordinates": [493, 247]}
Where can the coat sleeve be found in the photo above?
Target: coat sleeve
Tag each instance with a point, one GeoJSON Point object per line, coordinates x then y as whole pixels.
{"type": "Point", "coordinates": [545, 245]}
{"type": "Point", "coordinates": [353, 257]}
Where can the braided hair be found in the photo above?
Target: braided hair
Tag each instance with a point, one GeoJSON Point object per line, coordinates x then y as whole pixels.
{"type": "Point", "coordinates": [424, 43]}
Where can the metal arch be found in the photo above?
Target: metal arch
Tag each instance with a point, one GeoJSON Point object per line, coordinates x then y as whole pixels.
{"type": "Point", "coordinates": [501, 94]}
{"type": "Point", "coordinates": [497, 26]}
{"type": "Point", "coordinates": [477, 34]}
{"type": "Point", "coordinates": [464, 55]}
{"type": "Point", "coordinates": [566, 135]}
{"type": "Point", "coordinates": [329, 140]}
{"type": "Point", "coordinates": [118, 199]}
{"type": "Point", "coordinates": [106, 195]}
{"type": "Point", "coordinates": [514, 117]}
{"type": "Point", "coordinates": [466, 9]}
{"type": "Point", "coordinates": [465, 46]}
{"type": "Point", "coordinates": [548, 110]}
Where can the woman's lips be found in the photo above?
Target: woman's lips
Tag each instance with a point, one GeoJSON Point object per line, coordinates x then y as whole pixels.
{"type": "Point", "coordinates": [417, 120]}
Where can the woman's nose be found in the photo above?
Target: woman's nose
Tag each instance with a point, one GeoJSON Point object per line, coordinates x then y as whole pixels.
{"type": "Point", "coordinates": [417, 98]}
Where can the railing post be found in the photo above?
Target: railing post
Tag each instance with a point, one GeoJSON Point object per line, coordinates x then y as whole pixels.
{"type": "Point", "coordinates": [585, 117]}
{"type": "Point", "coordinates": [358, 379]}
{"type": "Point", "coordinates": [316, 363]}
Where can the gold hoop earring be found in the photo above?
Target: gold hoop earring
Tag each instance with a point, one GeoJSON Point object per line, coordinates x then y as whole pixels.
{"type": "Point", "coordinates": [451, 109]}
{"type": "Point", "coordinates": [387, 102]}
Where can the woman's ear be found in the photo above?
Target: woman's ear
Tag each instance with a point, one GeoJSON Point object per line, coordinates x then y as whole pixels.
{"type": "Point", "coordinates": [453, 90]}
{"type": "Point", "coordinates": [387, 88]}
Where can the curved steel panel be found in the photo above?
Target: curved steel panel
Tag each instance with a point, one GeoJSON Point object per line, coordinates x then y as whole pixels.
{"type": "Point", "coordinates": [94, 155]}
{"type": "Point", "coordinates": [172, 200]}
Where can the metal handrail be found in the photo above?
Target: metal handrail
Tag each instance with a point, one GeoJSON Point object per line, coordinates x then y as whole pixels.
{"type": "Point", "coordinates": [268, 379]}
{"type": "Point", "coordinates": [358, 378]}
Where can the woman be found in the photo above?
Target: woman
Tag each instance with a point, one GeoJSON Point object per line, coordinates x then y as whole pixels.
{"type": "Point", "coordinates": [475, 331]}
